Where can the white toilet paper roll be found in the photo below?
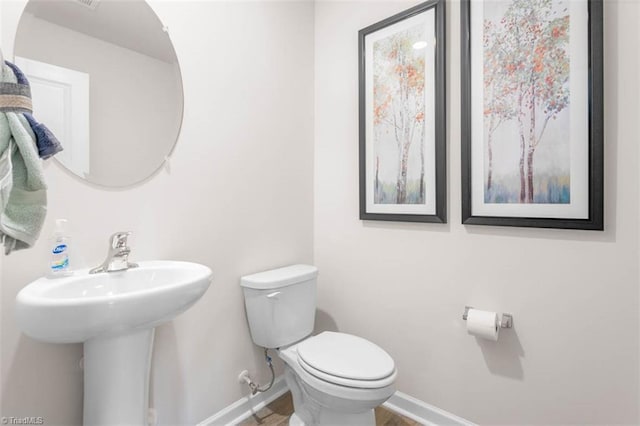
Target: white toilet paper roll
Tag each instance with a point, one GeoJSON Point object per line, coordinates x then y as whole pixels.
{"type": "Point", "coordinates": [483, 324]}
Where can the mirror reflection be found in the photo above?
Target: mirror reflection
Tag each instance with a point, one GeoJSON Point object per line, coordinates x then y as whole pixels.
{"type": "Point", "coordinates": [105, 78]}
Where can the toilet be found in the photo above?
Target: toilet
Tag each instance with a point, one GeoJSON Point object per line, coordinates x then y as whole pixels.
{"type": "Point", "coordinates": [334, 378]}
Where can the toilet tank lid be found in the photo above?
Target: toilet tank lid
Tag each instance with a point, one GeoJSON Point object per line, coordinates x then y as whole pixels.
{"type": "Point", "coordinates": [280, 277]}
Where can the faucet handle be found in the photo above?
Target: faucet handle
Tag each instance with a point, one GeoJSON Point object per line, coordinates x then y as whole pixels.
{"type": "Point", "coordinates": [119, 239]}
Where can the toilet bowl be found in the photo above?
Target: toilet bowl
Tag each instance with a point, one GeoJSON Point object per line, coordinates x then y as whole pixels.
{"type": "Point", "coordinates": [335, 378]}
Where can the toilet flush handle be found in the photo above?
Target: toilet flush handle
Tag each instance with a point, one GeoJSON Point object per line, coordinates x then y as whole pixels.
{"type": "Point", "coordinates": [273, 295]}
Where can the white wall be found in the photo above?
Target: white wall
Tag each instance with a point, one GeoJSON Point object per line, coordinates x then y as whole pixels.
{"type": "Point", "coordinates": [238, 198]}
{"type": "Point", "coordinates": [573, 354]}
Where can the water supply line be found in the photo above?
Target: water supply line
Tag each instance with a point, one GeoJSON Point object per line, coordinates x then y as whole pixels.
{"type": "Point", "coordinates": [255, 388]}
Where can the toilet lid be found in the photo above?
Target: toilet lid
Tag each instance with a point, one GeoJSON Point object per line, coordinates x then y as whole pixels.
{"type": "Point", "coordinates": [345, 356]}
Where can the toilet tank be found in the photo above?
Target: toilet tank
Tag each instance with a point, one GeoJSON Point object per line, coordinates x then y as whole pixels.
{"type": "Point", "coordinates": [281, 304]}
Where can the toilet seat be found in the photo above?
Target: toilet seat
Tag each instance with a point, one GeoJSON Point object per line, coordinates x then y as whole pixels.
{"type": "Point", "coordinates": [346, 360]}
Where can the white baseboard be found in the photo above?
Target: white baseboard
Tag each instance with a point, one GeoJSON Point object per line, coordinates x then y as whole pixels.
{"type": "Point", "coordinates": [422, 412]}
{"type": "Point", "coordinates": [399, 402]}
{"type": "Point", "coordinates": [245, 407]}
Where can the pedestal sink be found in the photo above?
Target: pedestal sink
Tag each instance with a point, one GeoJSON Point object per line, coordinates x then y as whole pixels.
{"type": "Point", "coordinates": [114, 315]}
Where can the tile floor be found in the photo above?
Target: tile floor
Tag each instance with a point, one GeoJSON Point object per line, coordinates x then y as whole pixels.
{"type": "Point", "coordinates": [278, 412]}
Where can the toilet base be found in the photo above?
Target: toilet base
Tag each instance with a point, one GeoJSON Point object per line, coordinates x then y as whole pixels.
{"type": "Point", "coordinates": [294, 420]}
{"type": "Point", "coordinates": [314, 410]}
{"type": "Point", "coordinates": [338, 419]}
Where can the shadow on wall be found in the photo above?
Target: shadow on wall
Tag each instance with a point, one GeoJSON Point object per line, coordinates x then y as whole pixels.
{"type": "Point", "coordinates": [28, 390]}
{"type": "Point", "coordinates": [408, 226]}
{"type": "Point", "coordinates": [324, 322]}
{"type": "Point", "coordinates": [504, 359]}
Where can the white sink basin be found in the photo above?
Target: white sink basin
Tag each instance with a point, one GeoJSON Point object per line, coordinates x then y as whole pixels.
{"type": "Point", "coordinates": [114, 314]}
{"type": "Point", "coordinates": [84, 306]}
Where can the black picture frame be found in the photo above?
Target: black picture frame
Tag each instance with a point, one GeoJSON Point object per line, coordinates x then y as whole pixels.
{"type": "Point", "coordinates": [595, 99]}
{"type": "Point", "coordinates": [440, 211]}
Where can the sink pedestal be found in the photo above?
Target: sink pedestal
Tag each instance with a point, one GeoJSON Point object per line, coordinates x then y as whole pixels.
{"type": "Point", "coordinates": [114, 314]}
{"type": "Point", "coordinates": [116, 379]}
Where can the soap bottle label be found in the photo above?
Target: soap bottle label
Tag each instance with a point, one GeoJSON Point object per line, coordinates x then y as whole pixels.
{"type": "Point", "coordinates": [60, 248]}
{"type": "Point", "coordinates": [60, 259]}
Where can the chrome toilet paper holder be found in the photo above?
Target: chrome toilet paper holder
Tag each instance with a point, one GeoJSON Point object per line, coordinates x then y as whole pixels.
{"type": "Point", "coordinates": [506, 320]}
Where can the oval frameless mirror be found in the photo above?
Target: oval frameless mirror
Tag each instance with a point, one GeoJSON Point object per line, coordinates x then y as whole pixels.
{"type": "Point", "coordinates": [106, 80]}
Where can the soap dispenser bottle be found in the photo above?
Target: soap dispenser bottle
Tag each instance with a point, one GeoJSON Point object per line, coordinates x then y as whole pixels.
{"type": "Point", "coordinates": [59, 264]}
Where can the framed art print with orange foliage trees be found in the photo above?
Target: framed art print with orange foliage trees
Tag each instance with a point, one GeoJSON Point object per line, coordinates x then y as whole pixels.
{"type": "Point", "coordinates": [402, 116]}
{"type": "Point", "coordinates": [532, 113]}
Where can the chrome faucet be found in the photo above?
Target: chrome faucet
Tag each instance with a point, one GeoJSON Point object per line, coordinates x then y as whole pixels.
{"type": "Point", "coordinates": [118, 255]}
